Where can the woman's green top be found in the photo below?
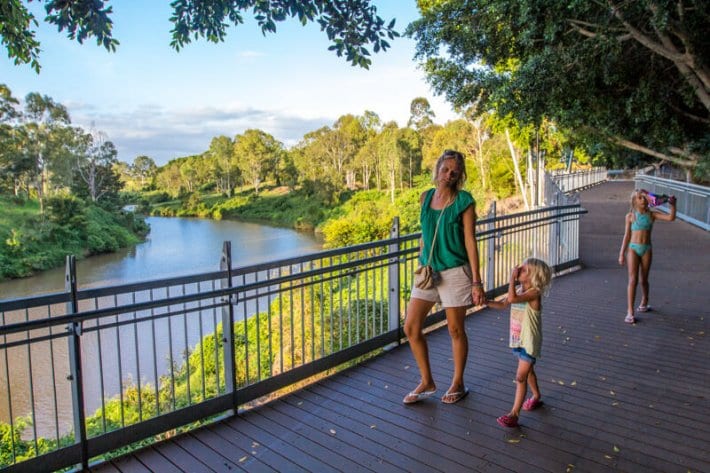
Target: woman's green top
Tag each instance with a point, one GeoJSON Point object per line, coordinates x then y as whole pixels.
{"type": "Point", "coordinates": [450, 249]}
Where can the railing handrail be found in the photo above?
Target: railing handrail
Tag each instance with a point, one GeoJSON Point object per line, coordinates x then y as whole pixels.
{"type": "Point", "coordinates": [693, 200]}
{"type": "Point", "coordinates": [548, 232]}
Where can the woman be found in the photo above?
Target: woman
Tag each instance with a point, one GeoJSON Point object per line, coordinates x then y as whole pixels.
{"type": "Point", "coordinates": [448, 244]}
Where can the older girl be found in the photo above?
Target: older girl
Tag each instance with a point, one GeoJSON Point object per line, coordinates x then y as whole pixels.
{"type": "Point", "coordinates": [636, 248]}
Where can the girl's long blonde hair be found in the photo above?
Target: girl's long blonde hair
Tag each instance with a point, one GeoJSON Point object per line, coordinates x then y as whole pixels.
{"type": "Point", "coordinates": [634, 194]}
{"type": "Point", "coordinates": [540, 275]}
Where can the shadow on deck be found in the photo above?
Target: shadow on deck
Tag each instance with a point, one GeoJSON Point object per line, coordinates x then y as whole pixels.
{"type": "Point", "coordinates": [617, 397]}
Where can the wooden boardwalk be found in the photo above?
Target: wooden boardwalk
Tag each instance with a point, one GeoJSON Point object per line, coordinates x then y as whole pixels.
{"type": "Point", "coordinates": [617, 397]}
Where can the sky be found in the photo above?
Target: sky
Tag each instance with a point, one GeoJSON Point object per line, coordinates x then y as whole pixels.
{"type": "Point", "coordinates": [151, 100]}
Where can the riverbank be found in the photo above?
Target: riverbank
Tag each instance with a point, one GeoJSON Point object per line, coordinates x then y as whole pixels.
{"type": "Point", "coordinates": [31, 241]}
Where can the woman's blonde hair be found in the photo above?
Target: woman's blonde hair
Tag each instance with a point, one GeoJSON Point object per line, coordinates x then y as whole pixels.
{"type": "Point", "coordinates": [458, 157]}
{"type": "Point", "coordinates": [540, 274]}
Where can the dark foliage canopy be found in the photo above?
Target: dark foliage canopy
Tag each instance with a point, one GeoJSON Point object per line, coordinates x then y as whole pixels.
{"type": "Point", "coordinates": [352, 26]}
{"type": "Point", "coordinates": [633, 74]}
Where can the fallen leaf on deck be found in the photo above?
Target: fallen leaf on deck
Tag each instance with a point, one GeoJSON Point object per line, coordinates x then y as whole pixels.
{"type": "Point", "coordinates": [373, 426]}
{"type": "Point", "coordinates": [608, 457]}
{"type": "Point", "coordinates": [513, 440]}
{"type": "Point", "coordinates": [242, 460]}
{"type": "Point", "coordinates": [332, 431]}
{"type": "Point", "coordinates": [616, 449]}
{"type": "Point", "coordinates": [570, 467]}
{"type": "Point", "coordinates": [612, 393]}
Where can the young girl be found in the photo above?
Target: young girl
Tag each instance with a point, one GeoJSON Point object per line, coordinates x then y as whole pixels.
{"type": "Point", "coordinates": [636, 248]}
{"type": "Point", "coordinates": [534, 277]}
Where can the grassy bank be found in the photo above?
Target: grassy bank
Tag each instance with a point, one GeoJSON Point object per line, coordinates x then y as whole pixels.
{"type": "Point", "coordinates": [32, 242]}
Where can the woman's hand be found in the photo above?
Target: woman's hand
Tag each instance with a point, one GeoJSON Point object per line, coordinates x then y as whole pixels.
{"type": "Point", "coordinates": [622, 259]}
{"type": "Point", "coordinates": [479, 295]}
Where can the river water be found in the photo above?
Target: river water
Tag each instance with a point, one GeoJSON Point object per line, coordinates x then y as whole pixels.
{"type": "Point", "coordinates": [175, 247]}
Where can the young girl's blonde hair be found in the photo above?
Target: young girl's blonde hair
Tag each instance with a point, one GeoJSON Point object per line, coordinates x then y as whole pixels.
{"type": "Point", "coordinates": [634, 194]}
{"type": "Point", "coordinates": [540, 274]}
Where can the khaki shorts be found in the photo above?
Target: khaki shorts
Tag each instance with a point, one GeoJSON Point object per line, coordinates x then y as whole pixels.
{"type": "Point", "coordinates": [454, 290]}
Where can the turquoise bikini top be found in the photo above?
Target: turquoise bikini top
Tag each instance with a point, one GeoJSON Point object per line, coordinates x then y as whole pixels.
{"type": "Point", "coordinates": [641, 221]}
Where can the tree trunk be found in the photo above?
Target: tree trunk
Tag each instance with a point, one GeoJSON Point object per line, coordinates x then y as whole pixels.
{"type": "Point", "coordinates": [517, 170]}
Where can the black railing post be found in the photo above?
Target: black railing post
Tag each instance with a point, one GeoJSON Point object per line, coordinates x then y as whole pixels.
{"type": "Point", "coordinates": [75, 376]}
{"type": "Point", "coordinates": [491, 253]}
{"type": "Point", "coordinates": [230, 379]}
{"type": "Point", "coordinates": [393, 277]}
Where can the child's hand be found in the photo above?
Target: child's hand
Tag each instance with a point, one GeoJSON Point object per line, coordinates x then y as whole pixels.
{"type": "Point", "coordinates": [672, 200]}
{"type": "Point", "coordinates": [515, 273]}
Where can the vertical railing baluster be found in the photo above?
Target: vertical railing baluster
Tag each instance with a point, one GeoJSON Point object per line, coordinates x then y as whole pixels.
{"type": "Point", "coordinates": [230, 379]}
{"type": "Point", "coordinates": [11, 415]}
{"type": "Point", "coordinates": [393, 269]}
{"type": "Point", "coordinates": [74, 329]}
{"type": "Point", "coordinates": [491, 250]}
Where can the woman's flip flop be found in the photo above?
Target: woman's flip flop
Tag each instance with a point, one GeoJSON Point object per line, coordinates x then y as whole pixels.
{"type": "Point", "coordinates": [451, 398]}
{"type": "Point", "coordinates": [413, 397]}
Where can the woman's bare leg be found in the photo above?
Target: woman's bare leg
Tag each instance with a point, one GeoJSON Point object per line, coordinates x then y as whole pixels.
{"type": "Point", "coordinates": [417, 311]}
{"type": "Point", "coordinates": [459, 345]}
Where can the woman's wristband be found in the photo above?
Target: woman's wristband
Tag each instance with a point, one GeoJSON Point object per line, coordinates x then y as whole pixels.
{"type": "Point", "coordinates": [477, 284]}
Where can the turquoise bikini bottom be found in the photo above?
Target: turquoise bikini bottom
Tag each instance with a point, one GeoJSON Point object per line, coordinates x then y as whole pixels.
{"type": "Point", "coordinates": [640, 248]}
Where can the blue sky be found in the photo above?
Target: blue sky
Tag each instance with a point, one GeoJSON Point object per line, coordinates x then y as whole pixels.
{"type": "Point", "coordinates": [152, 100]}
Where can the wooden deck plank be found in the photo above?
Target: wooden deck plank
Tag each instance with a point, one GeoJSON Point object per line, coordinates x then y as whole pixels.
{"type": "Point", "coordinates": [180, 456]}
{"type": "Point", "coordinates": [342, 443]}
{"type": "Point", "coordinates": [130, 464]}
{"type": "Point", "coordinates": [295, 449]}
{"type": "Point", "coordinates": [617, 397]}
{"type": "Point", "coordinates": [205, 453]}
{"type": "Point", "coordinates": [231, 451]}
{"type": "Point", "coordinates": [251, 448]}
{"type": "Point", "coordinates": [157, 462]}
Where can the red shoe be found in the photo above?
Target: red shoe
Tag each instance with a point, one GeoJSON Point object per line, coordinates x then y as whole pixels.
{"type": "Point", "coordinates": [508, 421]}
{"type": "Point", "coordinates": [531, 404]}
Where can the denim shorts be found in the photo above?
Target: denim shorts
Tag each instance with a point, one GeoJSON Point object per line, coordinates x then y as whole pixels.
{"type": "Point", "coordinates": [523, 355]}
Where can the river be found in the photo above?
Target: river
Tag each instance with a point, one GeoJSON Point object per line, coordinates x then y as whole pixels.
{"type": "Point", "coordinates": [174, 247]}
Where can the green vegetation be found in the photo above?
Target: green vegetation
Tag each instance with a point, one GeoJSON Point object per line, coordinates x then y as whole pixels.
{"type": "Point", "coordinates": [322, 319]}
{"type": "Point", "coordinates": [33, 241]}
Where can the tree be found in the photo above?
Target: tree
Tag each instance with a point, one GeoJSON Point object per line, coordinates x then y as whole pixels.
{"type": "Point", "coordinates": [631, 74]}
{"type": "Point", "coordinates": [421, 115]}
{"type": "Point", "coordinates": [221, 156]}
{"type": "Point", "coordinates": [257, 153]}
{"type": "Point", "coordinates": [96, 166]}
{"type": "Point", "coordinates": [352, 26]}
{"type": "Point", "coordinates": [43, 118]}
{"type": "Point", "coordinates": [144, 169]}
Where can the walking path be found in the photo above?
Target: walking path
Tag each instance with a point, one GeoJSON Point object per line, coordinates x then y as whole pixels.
{"type": "Point", "coordinates": [618, 397]}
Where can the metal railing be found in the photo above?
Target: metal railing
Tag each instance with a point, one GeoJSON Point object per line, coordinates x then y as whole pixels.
{"type": "Point", "coordinates": [89, 372]}
{"type": "Point", "coordinates": [577, 180]}
{"type": "Point", "coordinates": [693, 204]}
